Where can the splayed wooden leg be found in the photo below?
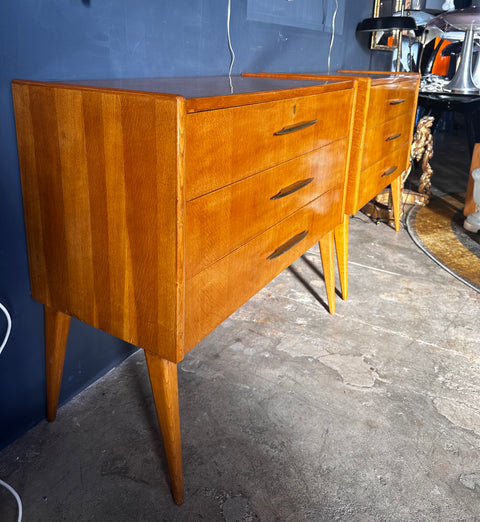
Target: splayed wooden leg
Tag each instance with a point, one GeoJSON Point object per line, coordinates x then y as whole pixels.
{"type": "Point", "coordinates": [57, 326]}
{"type": "Point", "coordinates": [341, 246]}
{"type": "Point", "coordinates": [396, 187]}
{"type": "Point", "coordinates": [327, 255]}
{"type": "Point", "coordinates": [163, 379]}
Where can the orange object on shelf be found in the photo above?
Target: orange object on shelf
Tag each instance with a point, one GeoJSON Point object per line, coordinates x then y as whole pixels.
{"type": "Point", "coordinates": [441, 63]}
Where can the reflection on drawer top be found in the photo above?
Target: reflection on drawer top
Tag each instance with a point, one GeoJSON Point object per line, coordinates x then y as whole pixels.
{"type": "Point", "coordinates": [227, 145]}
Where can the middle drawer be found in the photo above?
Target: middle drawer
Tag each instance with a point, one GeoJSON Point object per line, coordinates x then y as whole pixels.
{"type": "Point", "coordinates": [223, 220]}
{"type": "Point", "coordinates": [382, 140]}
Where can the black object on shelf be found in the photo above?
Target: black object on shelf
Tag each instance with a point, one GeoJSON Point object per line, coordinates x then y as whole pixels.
{"type": "Point", "coordinates": [386, 23]}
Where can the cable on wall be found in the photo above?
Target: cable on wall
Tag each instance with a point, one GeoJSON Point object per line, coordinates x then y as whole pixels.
{"type": "Point", "coordinates": [9, 327]}
{"type": "Point", "coordinates": [332, 38]}
{"type": "Point", "coordinates": [4, 342]}
{"type": "Point", "coordinates": [232, 52]}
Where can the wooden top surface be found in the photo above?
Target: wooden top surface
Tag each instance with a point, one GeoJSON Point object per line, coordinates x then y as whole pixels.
{"type": "Point", "coordinates": [363, 78]}
{"type": "Point", "coordinates": [210, 92]}
{"type": "Point", "coordinates": [380, 77]}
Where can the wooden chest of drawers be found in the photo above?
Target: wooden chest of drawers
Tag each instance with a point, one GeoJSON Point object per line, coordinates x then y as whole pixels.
{"type": "Point", "coordinates": [384, 121]}
{"type": "Point", "coordinates": [385, 112]}
{"type": "Point", "coordinates": [155, 208]}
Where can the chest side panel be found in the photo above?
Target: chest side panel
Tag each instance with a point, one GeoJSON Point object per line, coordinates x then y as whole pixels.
{"type": "Point", "coordinates": [102, 183]}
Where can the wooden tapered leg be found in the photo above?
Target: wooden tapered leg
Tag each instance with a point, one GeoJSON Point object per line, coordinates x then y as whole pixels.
{"type": "Point", "coordinates": [341, 246]}
{"type": "Point", "coordinates": [396, 188]}
{"type": "Point", "coordinates": [57, 325]}
{"type": "Point", "coordinates": [327, 254]}
{"type": "Point", "coordinates": [163, 379]}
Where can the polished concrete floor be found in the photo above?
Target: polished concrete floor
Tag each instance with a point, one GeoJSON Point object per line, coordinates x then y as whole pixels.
{"type": "Point", "coordinates": [288, 413]}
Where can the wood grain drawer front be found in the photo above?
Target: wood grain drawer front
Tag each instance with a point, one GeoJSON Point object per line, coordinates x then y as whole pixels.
{"type": "Point", "coordinates": [226, 145]}
{"type": "Point", "coordinates": [390, 101]}
{"type": "Point", "coordinates": [225, 219]}
{"type": "Point", "coordinates": [378, 176]}
{"type": "Point", "coordinates": [216, 292]}
{"type": "Point", "coordinates": [382, 140]}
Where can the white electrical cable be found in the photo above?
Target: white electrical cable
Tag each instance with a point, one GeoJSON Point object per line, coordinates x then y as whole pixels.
{"type": "Point", "coordinates": [332, 38]}
{"type": "Point", "coordinates": [17, 498]}
{"type": "Point", "coordinates": [9, 327]}
{"type": "Point", "coordinates": [232, 52]}
{"type": "Point", "coordinates": [4, 484]}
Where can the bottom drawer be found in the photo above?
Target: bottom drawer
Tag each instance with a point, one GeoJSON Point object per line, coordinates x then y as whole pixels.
{"type": "Point", "coordinates": [216, 292]}
{"type": "Point", "coordinates": [374, 179]}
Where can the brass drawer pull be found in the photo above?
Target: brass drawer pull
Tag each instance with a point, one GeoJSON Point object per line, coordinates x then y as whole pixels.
{"type": "Point", "coordinates": [295, 128]}
{"type": "Point", "coordinates": [397, 102]}
{"type": "Point", "coordinates": [288, 245]}
{"type": "Point", "coordinates": [286, 191]}
{"type": "Point", "coordinates": [393, 137]}
{"type": "Point", "coordinates": [389, 171]}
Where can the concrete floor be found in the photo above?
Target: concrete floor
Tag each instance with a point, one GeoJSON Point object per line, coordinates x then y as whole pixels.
{"type": "Point", "coordinates": [288, 413]}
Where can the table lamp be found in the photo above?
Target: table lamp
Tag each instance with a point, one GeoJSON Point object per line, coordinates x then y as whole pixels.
{"type": "Point", "coordinates": [390, 23]}
{"type": "Point", "coordinates": [467, 20]}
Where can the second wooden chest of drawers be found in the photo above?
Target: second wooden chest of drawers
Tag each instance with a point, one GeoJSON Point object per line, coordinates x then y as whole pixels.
{"type": "Point", "coordinates": [385, 111]}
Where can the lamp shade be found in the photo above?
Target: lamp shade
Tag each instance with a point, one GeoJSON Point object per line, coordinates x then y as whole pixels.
{"type": "Point", "coordinates": [464, 19]}
{"type": "Point", "coordinates": [386, 23]}
{"type": "Point", "coordinates": [460, 19]}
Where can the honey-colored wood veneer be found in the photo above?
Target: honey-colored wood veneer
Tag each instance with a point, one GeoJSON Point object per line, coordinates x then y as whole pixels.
{"type": "Point", "coordinates": [155, 208]}
{"type": "Point", "coordinates": [225, 219]}
{"type": "Point", "coordinates": [384, 124]}
{"type": "Point", "coordinates": [385, 112]}
{"type": "Point", "coordinates": [221, 159]}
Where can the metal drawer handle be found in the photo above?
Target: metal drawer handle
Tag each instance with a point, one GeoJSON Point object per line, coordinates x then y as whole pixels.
{"type": "Point", "coordinates": [391, 170]}
{"type": "Point", "coordinates": [295, 128]}
{"type": "Point", "coordinates": [397, 102]}
{"type": "Point", "coordinates": [286, 191]}
{"type": "Point", "coordinates": [393, 137]}
{"type": "Point", "coordinates": [288, 245]}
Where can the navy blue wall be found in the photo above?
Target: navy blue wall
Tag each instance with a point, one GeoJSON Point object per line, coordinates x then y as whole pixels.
{"type": "Point", "coordinates": [69, 39]}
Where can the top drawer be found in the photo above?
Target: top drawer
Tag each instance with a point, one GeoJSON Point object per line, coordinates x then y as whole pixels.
{"type": "Point", "coordinates": [390, 101]}
{"type": "Point", "coordinates": [226, 145]}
